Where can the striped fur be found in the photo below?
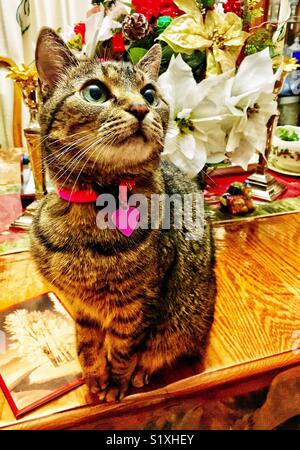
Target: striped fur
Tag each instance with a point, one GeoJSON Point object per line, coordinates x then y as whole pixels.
{"type": "Point", "coordinates": [141, 302]}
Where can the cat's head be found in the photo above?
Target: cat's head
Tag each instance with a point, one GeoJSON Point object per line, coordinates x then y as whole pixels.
{"type": "Point", "coordinates": [99, 120]}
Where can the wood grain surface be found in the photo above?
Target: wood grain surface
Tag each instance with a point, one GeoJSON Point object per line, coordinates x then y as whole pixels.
{"type": "Point", "coordinates": [257, 312]}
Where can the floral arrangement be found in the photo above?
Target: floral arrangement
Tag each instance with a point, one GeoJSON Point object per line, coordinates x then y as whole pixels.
{"type": "Point", "coordinates": [218, 71]}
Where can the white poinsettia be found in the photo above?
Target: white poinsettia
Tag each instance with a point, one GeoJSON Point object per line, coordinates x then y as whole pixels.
{"type": "Point", "coordinates": [68, 34]}
{"type": "Point", "coordinates": [252, 102]}
{"type": "Point", "coordinates": [221, 116]}
{"type": "Point", "coordinates": [195, 135]}
{"type": "Point", "coordinates": [100, 26]}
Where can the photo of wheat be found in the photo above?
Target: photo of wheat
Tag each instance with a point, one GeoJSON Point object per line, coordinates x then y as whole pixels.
{"type": "Point", "coordinates": [38, 359]}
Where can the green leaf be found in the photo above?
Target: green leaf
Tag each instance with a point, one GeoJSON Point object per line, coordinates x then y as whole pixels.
{"type": "Point", "coordinates": [136, 53]}
{"type": "Point", "coordinates": [167, 53]}
{"type": "Point", "coordinates": [194, 60]}
{"type": "Point", "coordinates": [287, 135]}
{"type": "Point", "coordinates": [146, 42]}
{"type": "Point", "coordinates": [207, 3]}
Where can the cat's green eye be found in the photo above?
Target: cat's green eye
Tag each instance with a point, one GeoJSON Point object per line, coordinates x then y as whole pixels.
{"type": "Point", "coordinates": [150, 96]}
{"type": "Point", "coordinates": [95, 93]}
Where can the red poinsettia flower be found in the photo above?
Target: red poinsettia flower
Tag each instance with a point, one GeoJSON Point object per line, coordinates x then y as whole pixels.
{"type": "Point", "coordinates": [79, 28]}
{"type": "Point", "coordinates": [168, 8]}
{"type": "Point", "coordinates": [155, 8]}
{"type": "Point", "coordinates": [118, 43]}
{"type": "Point", "coordinates": [147, 7]}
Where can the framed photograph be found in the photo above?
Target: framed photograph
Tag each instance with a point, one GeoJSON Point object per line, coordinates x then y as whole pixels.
{"type": "Point", "coordinates": [38, 356]}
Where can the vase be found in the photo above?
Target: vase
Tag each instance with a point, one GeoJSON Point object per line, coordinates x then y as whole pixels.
{"type": "Point", "coordinates": [33, 139]}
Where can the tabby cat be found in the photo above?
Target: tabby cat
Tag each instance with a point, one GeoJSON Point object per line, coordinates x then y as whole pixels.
{"type": "Point", "coordinates": [142, 301]}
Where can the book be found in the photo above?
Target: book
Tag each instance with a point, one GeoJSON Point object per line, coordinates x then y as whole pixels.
{"type": "Point", "coordinates": [38, 355]}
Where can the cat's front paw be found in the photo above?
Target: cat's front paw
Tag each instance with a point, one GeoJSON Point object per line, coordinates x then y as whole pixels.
{"type": "Point", "coordinates": [140, 378]}
{"type": "Point", "coordinates": [97, 376]}
{"type": "Point", "coordinates": [97, 382]}
{"type": "Point", "coordinates": [115, 391]}
{"type": "Point", "coordinates": [117, 388]}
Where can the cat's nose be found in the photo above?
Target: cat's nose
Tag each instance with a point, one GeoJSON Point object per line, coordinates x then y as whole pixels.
{"type": "Point", "coordinates": [138, 110]}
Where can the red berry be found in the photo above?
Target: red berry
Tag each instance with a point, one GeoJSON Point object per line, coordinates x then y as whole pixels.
{"type": "Point", "coordinates": [233, 6]}
{"type": "Point", "coordinates": [79, 28]}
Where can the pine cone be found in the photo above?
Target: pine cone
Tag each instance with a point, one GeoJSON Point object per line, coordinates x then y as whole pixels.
{"type": "Point", "coordinates": [135, 27]}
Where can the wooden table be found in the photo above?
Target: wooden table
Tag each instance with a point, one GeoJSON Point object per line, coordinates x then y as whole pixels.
{"type": "Point", "coordinates": [257, 311]}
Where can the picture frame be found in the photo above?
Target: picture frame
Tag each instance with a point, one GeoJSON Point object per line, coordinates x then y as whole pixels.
{"type": "Point", "coordinates": [38, 355]}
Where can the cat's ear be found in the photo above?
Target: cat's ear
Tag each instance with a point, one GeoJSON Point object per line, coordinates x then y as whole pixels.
{"type": "Point", "coordinates": [150, 63]}
{"type": "Point", "coordinates": [52, 57]}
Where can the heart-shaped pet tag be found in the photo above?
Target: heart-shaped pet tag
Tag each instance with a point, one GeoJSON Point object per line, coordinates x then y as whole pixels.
{"type": "Point", "coordinates": [126, 220]}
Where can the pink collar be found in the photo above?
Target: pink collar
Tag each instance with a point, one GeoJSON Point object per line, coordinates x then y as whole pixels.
{"type": "Point", "coordinates": [90, 196]}
{"type": "Point", "coordinates": [81, 196]}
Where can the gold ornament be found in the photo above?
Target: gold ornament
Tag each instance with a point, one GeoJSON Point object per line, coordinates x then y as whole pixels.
{"type": "Point", "coordinates": [27, 79]}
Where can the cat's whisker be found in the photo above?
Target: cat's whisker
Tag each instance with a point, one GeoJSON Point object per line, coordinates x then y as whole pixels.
{"type": "Point", "coordinates": [63, 150]}
{"type": "Point", "coordinates": [88, 159]}
{"type": "Point", "coordinates": [48, 136]}
{"type": "Point", "coordinates": [78, 160]}
{"type": "Point", "coordinates": [69, 137]}
{"type": "Point", "coordinates": [71, 164]}
{"type": "Point", "coordinates": [78, 176]}
{"type": "Point", "coordinates": [110, 143]}
{"type": "Point", "coordinates": [78, 154]}
{"type": "Point", "coordinates": [56, 159]}
{"type": "Point", "coordinates": [49, 158]}
{"type": "Point", "coordinates": [61, 144]}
